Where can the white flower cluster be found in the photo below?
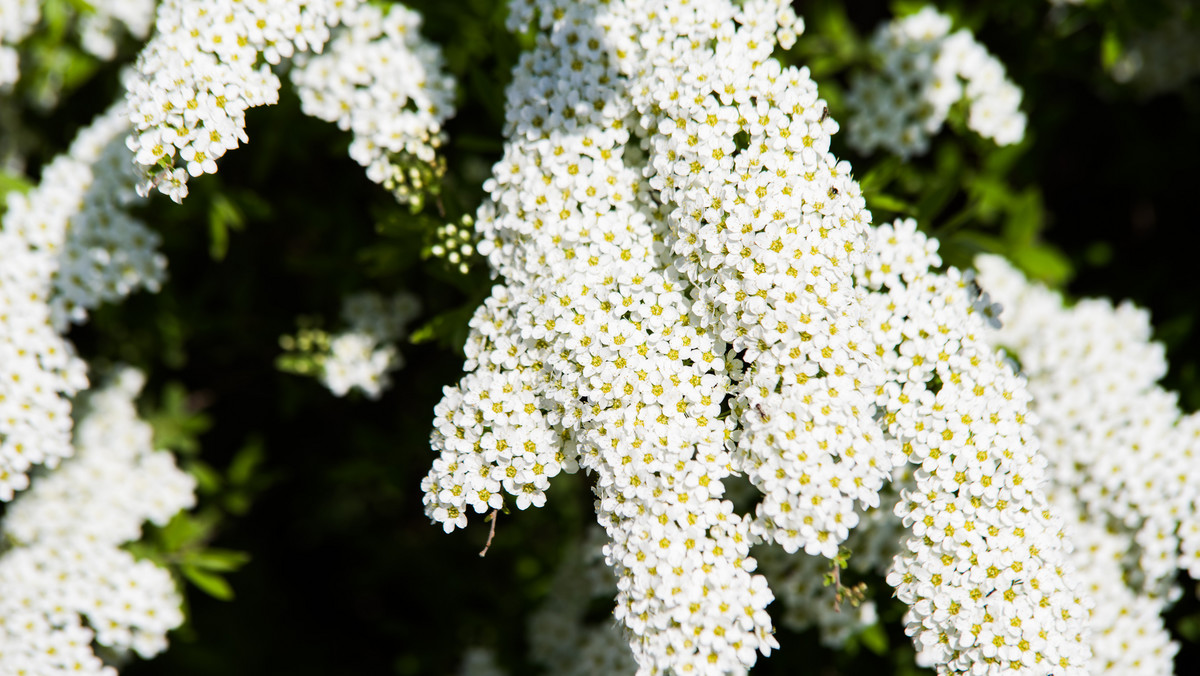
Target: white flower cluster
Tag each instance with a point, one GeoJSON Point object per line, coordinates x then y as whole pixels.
{"type": "Point", "coordinates": [65, 247]}
{"type": "Point", "coordinates": [38, 367]}
{"type": "Point", "coordinates": [769, 236]}
{"type": "Point", "coordinates": [689, 306]}
{"type": "Point", "coordinates": [383, 82]}
{"type": "Point", "coordinates": [799, 581]}
{"type": "Point", "coordinates": [925, 70]}
{"type": "Point", "coordinates": [589, 354]}
{"type": "Point", "coordinates": [201, 72]}
{"type": "Point", "coordinates": [985, 569]}
{"type": "Point", "coordinates": [106, 254]}
{"type": "Point", "coordinates": [64, 581]}
{"type": "Point", "coordinates": [560, 639]}
{"type": "Point", "coordinates": [17, 19]}
{"type": "Point", "coordinates": [363, 356]}
{"type": "Point", "coordinates": [98, 25]}
{"type": "Point", "coordinates": [1122, 457]}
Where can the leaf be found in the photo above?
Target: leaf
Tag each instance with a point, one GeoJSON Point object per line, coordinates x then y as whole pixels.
{"type": "Point", "coordinates": [1025, 219]}
{"type": "Point", "coordinates": [210, 583]}
{"type": "Point", "coordinates": [1111, 49]}
{"type": "Point", "coordinates": [218, 560]}
{"type": "Point", "coordinates": [10, 182]}
{"type": "Point", "coordinates": [880, 175]}
{"type": "Point", "coordinates": [449, 329]}
{"type": "Point", "coordinates": [875, 639]}
{"type": "Point", "coordinates": [247, 460]}
{"type": "Point", "coordinates": [1044, 263]}
{"type": "Point", "coordinates": [208, 479]}
{"type": "Point", "coordinates": [884, 202]}
{"type": "Point", "coordinates": [186, 529]}
{"type": "Point", "coordinates": [175, 424]}
{"type": "Point", "coordinates": [223, 216]}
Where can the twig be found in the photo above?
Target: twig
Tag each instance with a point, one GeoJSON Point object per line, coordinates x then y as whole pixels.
{"type": "Point", "coordinates": [492, 533]}
{"type": "Point", "coordinates": [837, 586]}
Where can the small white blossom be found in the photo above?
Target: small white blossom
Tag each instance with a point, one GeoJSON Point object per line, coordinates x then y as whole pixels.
{"type": "Point", "coordinates": [683, 296]}
{"type": "Point", "coordinates": [65, 582]}
{"type": "Point", "coordinates": [197, 77]}
{"type": "Point", "coordinates": [924, 70]}
{"type": "Point", "coordinates": [1121, 453]}
{"type": "Point", "coordinates": [65, 247]}
{"type": "Point", "coordinates": [380, 80]}
{"type": "Point", "coordinates": [363, 356]}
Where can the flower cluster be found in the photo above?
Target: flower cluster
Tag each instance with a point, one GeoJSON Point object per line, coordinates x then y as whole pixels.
{"type": "Point", "coordinates": [361, 357]}
{"type": "Point", "coordinates": [383, 82]}
{"type": "Point", "coordinates": [925, 70]}
{"type": "Point", "coordinates": [64, 581]}
{"type": "Point", "coordinates": [588, 354]}
{"type": "Point", "coordinates": [201, 72]}
{"type": "Point", "coordinates": [1122, 457]}
{"type": "Point", "coordinates": [683, 299]}
{"type": "Point", "coordinates": [985, 569]}
{"type": "Point", "coordinates": [98, 24]}
{"type": "Point", "coordinates": [65, 247]}
{"type": "Point", "coordinates": [769, 236]}
{"type": "Point", "coordinates": [106, 253]}
{"type": "Point", "coordinates": [807, 594]}
{"type": "Point", "coordinates": [17, 19]}
{"type": "Point", "coordinates": [561, 637]}
{"type": "Point", "coordinates": [38, 367]}
{"type": "Point", "coordinates": [98, 27]}
{"type": "Point", "coordinates": [455, 244]}
{"type": "Point", "coordinates": [980, 569]}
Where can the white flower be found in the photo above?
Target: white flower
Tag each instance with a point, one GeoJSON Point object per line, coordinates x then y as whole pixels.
{"type": "Point", "coordinates": [65, 581]}
{"type": "Point", "coordinates": [383, 82]}
{"type": "Point", "coordinates": [363, 356]}
{"type": "Point", "coordinates": [65, 247]}
{"type": "Point", "coordinates": [197, 77]}
{"type": "Point", "coordinates": [641, 250]}
{"type": "Point", "coordinates": [1121, 453]}
{"type": "Point", "coordinates": [925, 71]}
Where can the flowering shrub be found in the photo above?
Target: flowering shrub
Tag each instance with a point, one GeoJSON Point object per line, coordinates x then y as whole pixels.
{"type": "Point", "coordinates": [767, 305]}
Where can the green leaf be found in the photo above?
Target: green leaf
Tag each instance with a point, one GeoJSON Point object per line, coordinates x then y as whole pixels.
{"type": "Point", "coordinates": [10, 182]}
{"type": "Point", "coordinates": [218, 560]}
{"type": "Point", "coordinates": [175, 423]}
{"type": "Point", "coordinates": [223, 216]}
{"type": "Point", "coordinates": [1098, 254]}
{"type": "Point", "coordinates": [884, 202]}
{"type": "Point", "coordinates": [210, 583]}
{"type": "Point", "coordinates": [1189, 628]}
{"type": "Point", "coordinates": [208, 480]}
{"type": "Point", "coordinates": [449, 329]}
{"type": "Point", "coordinates": [1025, 218]}
{"type": "Point", "coordinates": [1111, 49]}
{"type": "Point", "coordinates": [880, 175]}
{"type": "Point", "coordinates": [184, 530]}
{"type": "Point", "coordinates": [247, 460]}
{"type": "Point", "coordinates": [1044, 263]}
{"type": "Point", "coordinates": [875, 639]}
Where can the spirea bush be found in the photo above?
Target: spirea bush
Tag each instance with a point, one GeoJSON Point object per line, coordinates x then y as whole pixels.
{"type": "Point", "coordinates": [597, 337]}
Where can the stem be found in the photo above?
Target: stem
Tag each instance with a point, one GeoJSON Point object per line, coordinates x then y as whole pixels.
{"type": "Point", "coordinates": [492, 533]}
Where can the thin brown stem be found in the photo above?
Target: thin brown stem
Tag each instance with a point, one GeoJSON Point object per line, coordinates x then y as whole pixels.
{"type": "Point", "coordinates": [492, 533]}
